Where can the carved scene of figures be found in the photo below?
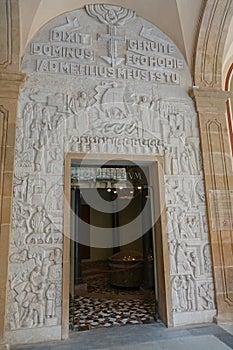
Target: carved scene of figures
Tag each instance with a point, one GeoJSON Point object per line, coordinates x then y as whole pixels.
{"type": "Point", "coordinates": [33, 293]}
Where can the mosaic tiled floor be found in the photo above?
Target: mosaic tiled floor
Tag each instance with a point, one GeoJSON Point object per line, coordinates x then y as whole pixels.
{"type": "Point", "coordinates": [102, 305]}
{"type": "Point", "coordinates": [91, 313]}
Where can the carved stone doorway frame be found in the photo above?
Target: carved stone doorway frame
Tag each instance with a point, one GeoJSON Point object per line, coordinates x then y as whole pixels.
{"type": "Point", "coordinates": [155, 164]}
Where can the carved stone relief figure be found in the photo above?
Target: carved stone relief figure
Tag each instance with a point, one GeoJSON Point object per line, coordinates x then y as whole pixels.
{"type": "Point", "coordinates": [79, 106]}
{"type": "Point", "coordinates": [173, 222]}
{"type": "Point", "coordinates": [194, 263]}
{"type": "Point", "coordinates": [50, 311]}
{"type": "Point", "coordinates": [172, 250]}
{"type": "Point", "coordinates": [200, 192]}
{"type": "Point", "coordinates": [205, 292]}
{"type": "Point", "coordinates": [38, 220]}
{"type": "Point", "coordinates": [28, 117]}
{"type": "Point", "coordinates": [184, 163]}
{"type": "Point", "coordinates": [39, 156]}
{"type": "Point", "coordinates": [54, 162]}
{"type": "Point", "coordinates": [207, 259]}
{"type": "Point", "coordinates": [182, 261]}
{"type": "Point", "coordinates": [145, 110]}
{"type": "Point", "coordinates": [184, 227]}
{"type": "Point", "coordinates": [171, 188]}
{"type": "Point", "coordinates": [13, 315]}
{"type": "Point", "coordinates": [176, 129]}
{"type": "Point", "coordinates": [192, 158]}
{"type": "Point", "coordinates": [190, 294]}
{"type": "Point", "coordinates": [21, 187]}
{"type": "Point", "coordinates": [167, 161]}
{"type": "Point", "coordinates": [176, 294]}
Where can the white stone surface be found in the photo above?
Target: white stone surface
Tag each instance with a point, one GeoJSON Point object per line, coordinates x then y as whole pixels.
{"type": "Point", "coordinates": [102, 80]}
{"type": "Point", "coordinates": [186, 318]}
{"type": "Point", "coordinates": [36, 335]}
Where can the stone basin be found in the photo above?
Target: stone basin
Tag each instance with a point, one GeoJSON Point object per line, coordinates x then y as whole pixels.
{"type": "Point", "coordinates": [126, 269]}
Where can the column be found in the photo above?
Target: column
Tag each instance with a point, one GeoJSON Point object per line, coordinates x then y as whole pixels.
{"type": "Point", "coordinates": [218, 175]}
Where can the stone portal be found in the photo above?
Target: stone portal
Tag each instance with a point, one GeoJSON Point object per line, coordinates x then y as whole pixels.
{"type": "Point", "coordinates": [103, 81]}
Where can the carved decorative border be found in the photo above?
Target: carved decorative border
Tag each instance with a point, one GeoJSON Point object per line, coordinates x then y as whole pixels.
{"type": "Point", "coordinates": [8, 44]}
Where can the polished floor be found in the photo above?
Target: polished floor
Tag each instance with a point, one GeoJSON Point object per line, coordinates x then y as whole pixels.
{"type": "Point", "coordinates": [139, 337]}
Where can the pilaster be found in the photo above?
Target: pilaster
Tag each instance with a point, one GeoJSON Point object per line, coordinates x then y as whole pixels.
{"type": "Point", "coordinates": [218, 174]}
{"type": "Point", "coordinates": [10, 82]}
{"type": "Point", "coordinates": [9, 90]}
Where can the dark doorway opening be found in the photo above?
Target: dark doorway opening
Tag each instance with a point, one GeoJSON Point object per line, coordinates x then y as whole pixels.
{"type": "Point", "coordinates": [116, 284]}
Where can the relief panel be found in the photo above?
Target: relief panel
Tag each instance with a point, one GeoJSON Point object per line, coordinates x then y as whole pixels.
{"type": "Point", "coordinates": [102, 80]}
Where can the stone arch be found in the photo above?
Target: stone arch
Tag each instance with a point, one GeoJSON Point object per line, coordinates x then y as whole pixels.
{"type": "Point", "coordinates": [214, 27]}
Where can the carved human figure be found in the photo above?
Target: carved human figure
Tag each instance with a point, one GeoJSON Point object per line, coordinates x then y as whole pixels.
{"type": "Point", "coordinates": [172, 250]}
{"type": "Point", "coordinates": [50, 301]}
{"type": "Point", "coordinates": [85, 142]}
{"type": "Point", "coordinates": [184, 163]}
{"type": "Point", "coordinates": [83, 100]}
{"type": "Point", "coordinates": [79, 106]}
{"type": "Point", "coordinates": [31, 299]}
{"type": "Point", "coordinates": [102, 145]}
{"type": "Point", "coordinates": [176, 291]}
{"type": "Point", "coordinates": [194, 228]}
{"type": "Point", "coordinates": [13, 311]}
{"type": "Point", "coordinates": [55, 158]}
{"type": "Point", "coordinates": [28, 116]}
{"type": "Point", "coordinates": [36, 277]}
{"type": "Point", "coordinates": [37, 109]}
{"type": "Point", "coordinates": [184, 198]}
{"type": "Point", "coordinates": [144, 107]}
{"type": "Point", "coordinates": [182, 262]}
{"type": "Point", "coordinates": [192, 158]}
{"type": "Point", "coordinates": [43, 136]}
{"type": "Point", "coordinates": [51, 266]}
{"type": "Point", "coordinates": [194, 263]}
{"type": "Point", "coordinates": [183, 293]}
{"type": "Point", "coordinates": [200, 190]}
{"type": "Point", "coordinates": [167, 161]}
{"type": "Point", "coordinates": [171, 191]}
{"type": "Point", "coordinates": [175, 222]}
{"type": "Point", "coordinates": [38, 220]}
{"type": "Point", "coordinates": [36, 307]}
{"type": "Point", "coordinates": [190, 293]}
{"type": "Point", "coordinates": [174, 164]}
{"type": "Point", "coordinates": [21, 187]}
{"type": "Point", "coordinates": [205, 294]}
{"type": "Point", "coordinates": [39, 157]}
{"type": "Point", "coordinates": [185, 230]}
{"type": "Point", "coordinates": [176, 131]}
{"type": "Point", "coordinates": [207, 259]}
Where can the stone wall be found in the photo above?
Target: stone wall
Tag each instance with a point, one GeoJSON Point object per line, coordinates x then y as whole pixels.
{"type": "Point", "coordinates": [103, 81]}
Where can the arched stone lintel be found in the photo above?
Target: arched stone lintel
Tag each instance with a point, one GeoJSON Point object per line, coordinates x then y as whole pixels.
{"type": "Point", "coordinates": [210, 45]}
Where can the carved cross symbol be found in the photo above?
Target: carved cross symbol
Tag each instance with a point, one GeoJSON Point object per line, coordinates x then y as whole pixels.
{"type": "Point", "coordinates": [112, 39]}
